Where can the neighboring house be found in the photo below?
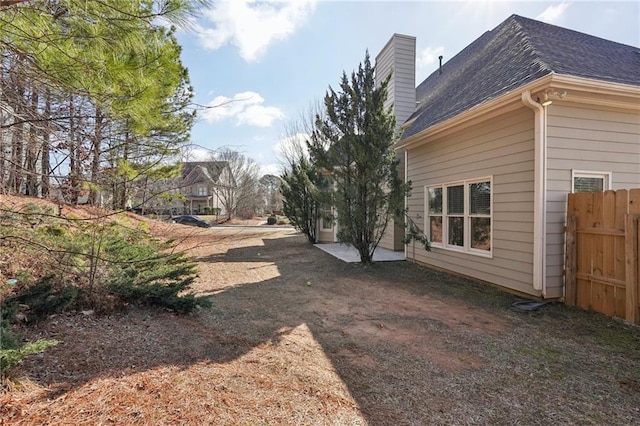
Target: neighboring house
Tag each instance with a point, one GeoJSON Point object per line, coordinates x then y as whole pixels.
{"type": "Point", "coordinates": [501, 133]}
{"type": "Point", "coordinates": [203, 183]}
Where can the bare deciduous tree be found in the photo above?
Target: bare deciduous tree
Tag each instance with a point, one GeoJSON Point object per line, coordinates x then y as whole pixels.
{"type": "Point", "coordinates": [243, 199]}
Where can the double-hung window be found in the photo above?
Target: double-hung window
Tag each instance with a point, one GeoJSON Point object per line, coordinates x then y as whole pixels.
{"type": "Point", "coordinates": [459, 216]}
{"type": "Point", "coordinates": [455, 215]}
{"type": "Point", "coordinates": [327, 218]}
{"type": "Point", "coordinates": [434, 214]}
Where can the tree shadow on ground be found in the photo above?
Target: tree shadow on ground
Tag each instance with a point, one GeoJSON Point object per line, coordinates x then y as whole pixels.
{"type": "Point", "coordinates": [410, 345]}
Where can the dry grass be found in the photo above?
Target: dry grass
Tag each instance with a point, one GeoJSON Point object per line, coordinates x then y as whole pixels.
{"type": "Point", "coordinates": [298, 337]}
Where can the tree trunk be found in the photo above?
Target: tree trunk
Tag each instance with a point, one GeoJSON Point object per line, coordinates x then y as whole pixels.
{"type": "Point", "coordinates": [95, 162]}
{"type": "Point", "coordinates": [17, 143]}
{"type": "Point", "coordinates": [46, 135]}
{"type": "Point", "coordinates": [4, 120]}
{"type": "Point", "coordinates": [120, 177]}
{"type": "Point", "coordinates": [74, 165]}
{"type": "Point", "coordinates": [31, 157]}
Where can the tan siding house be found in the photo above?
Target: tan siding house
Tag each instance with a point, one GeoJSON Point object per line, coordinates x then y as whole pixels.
{"type": "Point", "coordinates": [526, 114]}
{"type": "Point", "coordinates": [587, 139]}
{"type": "Point", "coordinates": [398, 58]}
{"type": "Point", "coordinates": [501, 151]}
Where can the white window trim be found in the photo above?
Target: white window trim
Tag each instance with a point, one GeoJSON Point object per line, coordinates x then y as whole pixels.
{"type": "Point", "coordinates": [330, 223]}
{"type": "Point", "coordinates": [606, 176]}
{"type": "Point", "coordinates": [427, 216]}
{"type": "Point", "coordinates": [467, 218]}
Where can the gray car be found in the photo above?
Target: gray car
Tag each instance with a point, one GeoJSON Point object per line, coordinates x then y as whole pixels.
{"type": "Point", "coordinates": [191, 220]}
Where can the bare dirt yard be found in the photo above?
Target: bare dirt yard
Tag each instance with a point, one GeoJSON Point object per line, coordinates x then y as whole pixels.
{"type": "Point", "coordinates": [297, 337]}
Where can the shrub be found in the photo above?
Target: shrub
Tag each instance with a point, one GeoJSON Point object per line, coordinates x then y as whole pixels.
{"type": "Point", "coordinates": [10, 358]}
{"type": "Point", "coordinates": [45, 298]}
{"type": "Point", "coordinates": [245, 214]}
{"type": "Point", "coordinates": [7, 315]}
{"type": "Point", "coordinates": [160, 280]}
{"type": "Point", "coordinates": [272, 220]}
{"type": "Point", "coordinates": [102, 265]}
{"type": "Point", "coordinates": [11, 354]}
{"type": "Point", "coordinates": [98, 264]}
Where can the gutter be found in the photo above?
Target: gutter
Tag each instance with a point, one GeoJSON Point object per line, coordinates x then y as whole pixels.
{"type": "Point", "coordinates": [539, 202]}
{"type": "Point", "coordinates": [581, 90]}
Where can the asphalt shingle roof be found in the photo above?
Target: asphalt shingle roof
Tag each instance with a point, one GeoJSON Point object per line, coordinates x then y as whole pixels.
{"type": "Point", "coordinates": [516, 52]}
{"type": "Point", "coordinates": [210, 170]}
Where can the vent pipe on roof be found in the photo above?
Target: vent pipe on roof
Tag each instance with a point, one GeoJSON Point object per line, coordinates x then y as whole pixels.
{"type": "Point", "coordinates": [440, 69]}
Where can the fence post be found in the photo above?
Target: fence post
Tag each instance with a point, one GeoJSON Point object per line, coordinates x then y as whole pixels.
{"type": "Point", "coordinates": [631, 279]}
{"type": "Point", "coordinates": [570, 262]}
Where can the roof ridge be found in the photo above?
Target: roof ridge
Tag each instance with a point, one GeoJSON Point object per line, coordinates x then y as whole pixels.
{"type": "Point", "coordinates": [517, 51]}
{"type": "Point", "coordinates": [523, 19]}
{"type": "Point", "coordinates": [527, 39]}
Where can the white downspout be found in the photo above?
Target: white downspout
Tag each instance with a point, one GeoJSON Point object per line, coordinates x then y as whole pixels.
{"type": "Point", "coordinates": [539, 207]}
{"type": "Point", "coordinates": [406, 198]}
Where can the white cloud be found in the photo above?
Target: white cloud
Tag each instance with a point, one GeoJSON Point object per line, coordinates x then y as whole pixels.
{"type": "Point", "coordinates": [553, 14]}
{"type": "Point", "coordinates": [197, 154]}
{"type": "Point", "coordinates": [246, 107]}
{"type": "Point", "coordinates": [259, 116]}
{"type": "Point", "coordinates": [425, 59]}
{"type": "Point", "coordinates": [252, 26]}
{"type": "Point", "coordinates": [293, 144]}
{"type": "Point", "coordinates": [270, 169]}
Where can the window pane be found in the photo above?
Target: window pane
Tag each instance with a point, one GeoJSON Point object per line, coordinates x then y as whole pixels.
{"type": "Point", "coordinates": [588, 184]}
{"type": "Point", "coordinates": [481, 233]}
{"type": "Point", "coordinates": [455, 199]}
{"type": "Point", "coordinates": [456, 231]}
{"type": "Point", "coordinates": [436, 229]}
{"type": "Point", "coordinates": [327, 218]}
{"type": "Point", "coordinates": [435, 200]}
{"type": "Point", "coordinates": [480, 198]}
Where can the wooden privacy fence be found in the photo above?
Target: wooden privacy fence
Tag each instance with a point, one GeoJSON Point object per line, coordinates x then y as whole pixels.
{"type": "Point", "coordinates": [601, 268]}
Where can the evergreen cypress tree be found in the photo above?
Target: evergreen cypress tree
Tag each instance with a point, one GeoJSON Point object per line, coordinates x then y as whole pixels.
{"type": "Point", "coordinates": [354, 143]}
{"type": "Point", "coordinates": [302, 192]}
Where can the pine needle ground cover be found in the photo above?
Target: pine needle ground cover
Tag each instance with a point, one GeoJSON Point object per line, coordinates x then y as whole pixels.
{"type": "Point", "coordinates": [295, 336]}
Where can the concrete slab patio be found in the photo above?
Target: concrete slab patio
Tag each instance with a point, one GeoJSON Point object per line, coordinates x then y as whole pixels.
{"type": "Point", "coordinates": [347, 253]}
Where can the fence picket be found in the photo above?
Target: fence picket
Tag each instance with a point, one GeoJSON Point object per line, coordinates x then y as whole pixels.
{"type": "Point", "coordinates": [601, 267]}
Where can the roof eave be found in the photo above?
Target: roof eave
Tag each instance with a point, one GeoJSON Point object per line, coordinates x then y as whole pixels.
{"type": "Point", "coordinates": [478, 113]}
{"type": "Point", "coordinates": [580, 89]}
{"type": "Point", "coordinates": [598, 92]}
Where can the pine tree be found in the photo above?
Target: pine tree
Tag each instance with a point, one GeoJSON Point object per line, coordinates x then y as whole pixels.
{"type": "Point", "coordinates": [117, 94]}
{"type": "Point", "coordinates": [354, 143]}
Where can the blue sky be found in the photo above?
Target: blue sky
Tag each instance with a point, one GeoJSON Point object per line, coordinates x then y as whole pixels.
{"type": "Point", "coordinates": [275, 58]}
